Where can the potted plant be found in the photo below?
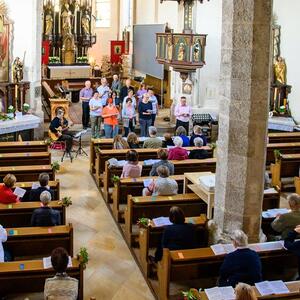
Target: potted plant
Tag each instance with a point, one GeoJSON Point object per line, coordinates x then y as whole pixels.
{"type": "Point", "coordinates": [66, 201]}
{"type": "Point", "coordinates": [191, 294]}
{"type": "Point", "coordinates": [115, 180]}
{"type": "Point", "coordinates": [54, 60]}
{"type": "Point", "coordinates": [214, 149]}
{"type": "Point", "coordinates": [143, 222]}
{"type": "Point", "coordinates": [55, 166]}
{"type": "Point", "coordinates": [277, 155]}
{"type": "Point", "coordinates": [10, 111]}
{"type": "Point", "coordinates": [48, 141]}
{"type": "Point", "coordinates": [82, 60]}
{"type": "Point", "coordinates": [26, 108]}
{"type": "Point", "coordinates": [83, 257]}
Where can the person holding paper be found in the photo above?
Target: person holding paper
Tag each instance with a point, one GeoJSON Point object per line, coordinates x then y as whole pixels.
{"type": "Point", "coordinates": [287, 222]}
{"type": "Point", "coordinates": [35, 193]}
{"type": "Point", "coordinates": [162, 154]}
{"type": "Point", "coordinates": [244, 291]}
{"type": "Point", "coordinates": [241, 265]}
{"type": "Point", "coordinates": [110, 114]}
{"type": "Point", "coordinates": [45, 215]}
{"type": "Point", "coordinates": [163, 185]}
{"type": "Point", "coordinates": [132, 168]}
{"type": "Point", "coordinates": [292, 245]}
{"type": "Point", "coordinates": [61, 286]}
{"type": "Point", "coordinates": [179, 235]}
{"type": "Point", "coordinates": [7, 195]}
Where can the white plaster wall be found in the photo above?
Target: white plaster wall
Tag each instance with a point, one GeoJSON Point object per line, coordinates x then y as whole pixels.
{"type": "Point", "coordinates": [145, 11]}
{"type": "Point", "coordinates": [288, 19]}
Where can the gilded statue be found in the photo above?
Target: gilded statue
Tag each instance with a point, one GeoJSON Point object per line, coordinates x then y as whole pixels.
{"type": "Point", "coordinates": [85, 23]}
{"type": "Point", "coordinates": [170, 48]}
{"type": "Point", "coordinates": [66, 17]}
{"type": "Point", "coordinates": [17, 70]}
{"type": "Point", "coordinates": [49, 24]}
{"type": "Point", "coordinates": [196, 52]}
{"type": "Point", "coordinates": [181, 52]}
{"type": "Point", "coordinates": [280, 71]}
{"type": "Point", "coordinates": [68, 50]}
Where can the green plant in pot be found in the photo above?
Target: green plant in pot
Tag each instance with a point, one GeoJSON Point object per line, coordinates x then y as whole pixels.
{"type": "Point", "coordinates": [83, 257]}
{"type": "Point", "coordinates": [277, 155]}
{"type": "Point", "coordinates": [26, 108]}
{"type": "Point", "coordinates": [55, 166]}
{"type": "Point", "coordinates": [191, 294]}
{"type": "Point", "coordinates": [66, 201]}
{"type": "Point", "coordinates": [143, 222]}
{"type": "Point", "coordinates": [11, 110]}
{"type": "Point", "coordinates": [115, 179]}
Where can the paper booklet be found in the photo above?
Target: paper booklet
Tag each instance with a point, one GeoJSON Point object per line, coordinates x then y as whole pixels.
{"type": "Point", "coordinates": [150, 162]}
{"type": "Point", "coordinates": [220, 293]}
{"type": "Point", "coordinates": [220, 249]}
{"type": "Point", "coordinates": [161, 221]}
{"type": "Point", "coordinates": [272, 213]}
{"type": "Point", "coordinates": [35, 185]}
{"type": "Point", "coordinates": [19, 192]}
{"type": "Point", "coordinates": [147, 182]}
{"type": "Point", "coordinates": [272, 287]}
{"type": "Point", "coordinates": [47, 262]}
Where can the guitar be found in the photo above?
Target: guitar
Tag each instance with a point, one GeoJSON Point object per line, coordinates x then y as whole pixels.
{"type": "Point", "coordinates": [55, 136]}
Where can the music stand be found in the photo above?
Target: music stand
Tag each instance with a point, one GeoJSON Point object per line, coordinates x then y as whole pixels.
{"type": "Point", "coordinates": [80, 149]}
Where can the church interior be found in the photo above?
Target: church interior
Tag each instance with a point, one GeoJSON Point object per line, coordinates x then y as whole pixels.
{"type": "Point", "coordinates": [149, 149]}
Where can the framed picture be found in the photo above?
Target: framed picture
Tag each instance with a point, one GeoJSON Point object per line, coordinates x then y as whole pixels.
{"type": "Point", "coordinates": [4, 53]}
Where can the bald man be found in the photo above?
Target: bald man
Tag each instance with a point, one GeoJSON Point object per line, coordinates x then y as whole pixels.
{"type": "Point", "coordinates": [85, 95]}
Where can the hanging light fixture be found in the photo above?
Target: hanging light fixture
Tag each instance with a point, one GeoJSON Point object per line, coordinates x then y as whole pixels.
{"type": "Point", "coordinates": [184, 52]}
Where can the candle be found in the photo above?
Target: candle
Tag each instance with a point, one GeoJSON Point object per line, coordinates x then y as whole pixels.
{"type": "Point", "coordinates": [16, 97]}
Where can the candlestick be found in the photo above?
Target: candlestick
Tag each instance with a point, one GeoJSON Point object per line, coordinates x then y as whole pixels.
{"type": "Point", "coordinates": [16, 97]}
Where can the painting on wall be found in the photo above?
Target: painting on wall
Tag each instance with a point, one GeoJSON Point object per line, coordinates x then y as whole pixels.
{"type": "Point", "coordinates": [4, 53]}
{"type": "Point", "coordinates": [181, 48]}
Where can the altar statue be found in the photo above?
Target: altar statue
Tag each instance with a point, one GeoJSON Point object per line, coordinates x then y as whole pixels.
{"type": "Point", "coordinates": [85, 22]}
{"type": "Point", "coordinates": [68, 50]}
{"type": "Point", "coordinates": [49, 24]}
{"type": "Point", "coordinates": [66, 17]}
{"type": "Point", "coordinates": [181, 52]}
{"type": "Point", "coordinates": [170, 48]}
{"type": "Point", "coordinates": [280, 71]}
{"type": "Point", "coordinates": [17, 70]}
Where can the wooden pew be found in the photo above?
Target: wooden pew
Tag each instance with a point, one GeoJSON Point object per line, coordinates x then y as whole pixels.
{"type": "Point", "coordinates": [180, 167]}
{"type": "Point", "coordinates": [150, 237]}
{"type": "Point", "coordinates": [293, 287]}
{"type": "Point", "coordinates": [54, 186]}
{"type": "Point", "coordinates": [271, 199]}
{"type": "Point", "coordinates": [32, 242]}
{"type": "Point", "coordinates": [152, 207]}
{"type": "Point", "coordinates": [284, 148]}
{"type": "Point", "coordinates": [30, 146]}
{"type": "Point", "coordinates": [284, 137]}
{"type": "Point", "coordinates": [286, 167]}
{"type": "Point", "coordinates": [203, 263]}
{"type": "Point", "coordinates": [27, 173]}
{"type": "Point", "coordinates": [120, 154]}
{"type": "Point", "coordinates": [19, 214]}
{"type": "Point", "coordinates": [28, 276]}
{"type": "Point", "coordinates": [25, 159]}
{"type": "Point", "coordinates": [134, 187]}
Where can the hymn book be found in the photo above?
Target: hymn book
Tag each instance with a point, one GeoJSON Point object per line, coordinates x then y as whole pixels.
{"type": "Point", "coordinates": [272, 287]}
{"type": "Point", "coordinates": [162, 221]}
{"type": "Point", "coordinates": [19, 192]}
{"type": "Point", "coordinates": [220, 249]}
{"type": "Point", "coordinates": [220, 293]}
{"type": "Point", "coordinates": [47, 262]}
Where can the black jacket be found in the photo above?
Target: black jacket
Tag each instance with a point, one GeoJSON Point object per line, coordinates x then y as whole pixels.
{"type": "Point", "coordinates": [45, 216]}
{"type": "Point", "coordinates": [198, 154]}
{"type": "Point", "coordinates": [35, 194]}
{"type": "Point", "coordinates": [293, 246]}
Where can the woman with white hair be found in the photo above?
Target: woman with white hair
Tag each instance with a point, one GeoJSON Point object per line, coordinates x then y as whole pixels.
{"type": "Point", "coordinates": [241, 265]}
{"type": "Point", "coordinates": [178, 153]}
{"type": "Point", "coordinates": [45, 215]}
{"type": "Point", "coordinates": [198, 152]}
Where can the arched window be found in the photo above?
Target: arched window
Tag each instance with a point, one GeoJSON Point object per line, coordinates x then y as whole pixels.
{"type": "Point", "coordinates": [103, 13]}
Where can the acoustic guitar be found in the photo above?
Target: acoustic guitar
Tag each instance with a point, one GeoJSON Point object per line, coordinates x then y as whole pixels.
{"type": "Point", "coordinates": [55, 136]}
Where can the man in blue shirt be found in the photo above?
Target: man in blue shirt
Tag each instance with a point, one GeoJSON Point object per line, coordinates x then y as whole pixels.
{"type": "Point", "coordinates": [85, 95]}
{"type": "Point", "coordinates": [103, 91]}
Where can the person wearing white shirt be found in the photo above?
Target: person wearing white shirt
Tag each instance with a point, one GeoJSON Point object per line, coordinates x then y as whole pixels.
{"type": "Point", "coordinates": [183, 113]}
{"type": "Point", "coordinates": [3, 238]}
{"type": "Point", "coordinates": [130, 95]}
{"type": "Point", "coordinates": [103, 91]}
{"type": "Point", "coordinates": [154, 102]}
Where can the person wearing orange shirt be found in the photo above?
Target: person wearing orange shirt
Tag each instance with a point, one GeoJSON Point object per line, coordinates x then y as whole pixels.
{"type": "Point", "coordinates": [7, 195]}
{"type": "Point", "coordinates": [110, 115]}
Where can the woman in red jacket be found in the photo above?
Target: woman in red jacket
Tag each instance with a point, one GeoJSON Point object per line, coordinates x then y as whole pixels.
{"type": "Point", "coordinates": [6, 194]}
{"type": "Point", "coordinates": [178, 153]}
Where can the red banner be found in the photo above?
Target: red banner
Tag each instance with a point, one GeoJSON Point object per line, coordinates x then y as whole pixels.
{"type": "Point", "coordinates": [45, 52]}
{"type": "Point", "coordinates": [117, 48]}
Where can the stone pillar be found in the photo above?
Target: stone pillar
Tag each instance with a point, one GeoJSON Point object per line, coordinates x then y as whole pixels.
{"type": "Point", "coordinates": [243, 115]}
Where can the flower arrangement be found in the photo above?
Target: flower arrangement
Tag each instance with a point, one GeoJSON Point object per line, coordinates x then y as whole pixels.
{"type": "Point", "coordinates": [26, 107]}
{"type": "Point", "coordinates": [277, 155]}
{"type": "Point", "coordinates": [55, 166]}
{"type": "Point", "coordinates": [10, 109]}
{"type": "Point", "coordinates": [83, 257]}
{"type": "Point", "coordinates": [115, 179]}
{"type": "Point", "coordinates": [191, 294]}
{"type": "Point", "coordinates": [54, 60]}
{"type": "Point", "coordinates": [5, 117]}
{"type": "Point", "coordinates": [66, 201]}
{"type": "Point", "coordinates": [143, 222]}
{"type": "Point", "coordinates": [82, 59]}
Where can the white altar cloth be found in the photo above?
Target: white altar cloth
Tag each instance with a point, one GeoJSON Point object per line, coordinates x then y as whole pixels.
{"type": "Point", "coordinates": [281, 123]}
{"type": "Point", "coordinates": [23, 123]}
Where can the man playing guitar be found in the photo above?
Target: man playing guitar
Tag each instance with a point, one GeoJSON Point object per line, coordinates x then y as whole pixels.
{"type": "Point", "coordinates": [58, 129]}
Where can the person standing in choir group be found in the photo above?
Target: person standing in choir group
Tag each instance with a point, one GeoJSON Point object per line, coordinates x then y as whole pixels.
{"type": "Point", "coordinates": [124, 89]}
{"type": "Point", "coordinates": [183, 113]}
{"type": "Point", "coordinates": [141, 91]}
{"type": "Point", "coordinates": [95, 113]}
{"type": "Point", "coordinates": [84, 96]}
{"type": "Point", "coordinates": [103, 91]}
{"type": "Point", "coordinates": [145, 112]}
{"type": "Point", "coordinates": [116, 84]}
{"type": "Point", "coordinates": [154, 102]}
{"type": "Point", "coordinates": [131, 96]}
{"type": "Point", "coordinates": [110, 115]}
{"type": "Point", "coordinates": [116, 100]}
{"type": "Point", "coordinates": [128, 116]}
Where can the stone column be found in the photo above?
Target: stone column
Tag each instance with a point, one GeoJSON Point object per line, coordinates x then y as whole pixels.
{"type": "Point", "coordinates": [243, 115]}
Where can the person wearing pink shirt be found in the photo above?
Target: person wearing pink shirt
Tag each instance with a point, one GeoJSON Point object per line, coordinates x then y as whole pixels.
{"type": "Point", "coordinates": [132, 169]}
{"type": "Point", "coordinates": [183, 113]}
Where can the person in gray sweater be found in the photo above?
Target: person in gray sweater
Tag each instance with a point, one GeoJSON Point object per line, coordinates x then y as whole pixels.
{"type": "Point", "coordinates": [162, 154]}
